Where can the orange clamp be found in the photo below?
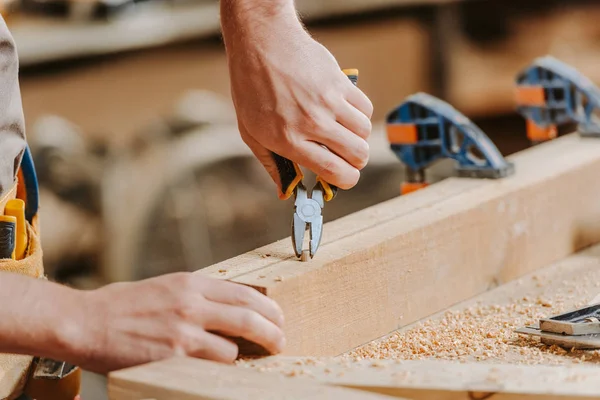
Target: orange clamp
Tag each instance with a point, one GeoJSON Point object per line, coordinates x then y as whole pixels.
{"type": "Point", "coordinates": [409, 187]}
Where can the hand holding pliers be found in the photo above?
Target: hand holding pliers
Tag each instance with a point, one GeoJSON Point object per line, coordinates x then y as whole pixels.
{"type": "Point", "coordinates": [308, 206]}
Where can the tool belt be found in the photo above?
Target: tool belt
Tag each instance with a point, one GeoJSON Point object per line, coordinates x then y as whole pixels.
{"type": "Point", "coordinates": [19, 374]}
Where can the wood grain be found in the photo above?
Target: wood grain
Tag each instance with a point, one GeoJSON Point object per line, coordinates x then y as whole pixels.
{"type": "Point", "coordinates": [400, 261]}
{"type": "Point", "coordinates": [437, 380]}
{"type": "Point", "coordinates": [192, 379]}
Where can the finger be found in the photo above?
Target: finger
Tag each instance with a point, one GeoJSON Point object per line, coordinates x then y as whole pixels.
{"type": "Point", "coordinates": [241, 322]}
{"type": "Point", "coordinates": [353, 149]}
{"type": "Point", "coordinates": [329, 166]}
{"type": "Point", "coordinates": [215, 348]}
{"type": "Point", "coordinates": [359, 100]}
{"type": "Point", "coordinates": [234, 294]}
{"type": "Point", "coordinates": [264, 156]}
{"type": "Point", "coordinates": [354, 120]}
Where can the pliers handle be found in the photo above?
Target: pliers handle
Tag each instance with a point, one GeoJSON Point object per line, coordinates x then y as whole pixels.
{"type": "Point", "coordinates": [291, 175]}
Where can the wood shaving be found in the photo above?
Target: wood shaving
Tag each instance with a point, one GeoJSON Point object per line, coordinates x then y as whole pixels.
{"type": "Point", "coordinates": [484, 331]}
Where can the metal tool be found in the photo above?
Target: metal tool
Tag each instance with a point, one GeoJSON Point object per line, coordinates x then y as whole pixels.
{"type": "Point", "coordinates": [551, 93]}
{"type": "Point", "coordinates": [8, 235]}
{"type": "Point", "coordinates": [52, 380]}
{"type": "Point", "coordinates": [578, 329]}
{"type": "Point", "coordinates": [424, 129]}
{"type": "Point", "coordinates": [308, 206]}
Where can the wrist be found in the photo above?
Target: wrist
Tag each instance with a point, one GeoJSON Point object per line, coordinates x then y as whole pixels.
{"type": "Point", "coordinates": [81, 329]}
{"type": "Point", "coordinates": [67, 332]}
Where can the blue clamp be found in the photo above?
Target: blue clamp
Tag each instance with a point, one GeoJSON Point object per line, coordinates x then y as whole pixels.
{"type": "Point", "coordinates": [424, 129]}
{"type": "Point", "coordinates": [551, 93]}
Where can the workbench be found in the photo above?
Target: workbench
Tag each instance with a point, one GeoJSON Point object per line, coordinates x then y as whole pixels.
{"type": "Point", "coordinates": [418, 297]}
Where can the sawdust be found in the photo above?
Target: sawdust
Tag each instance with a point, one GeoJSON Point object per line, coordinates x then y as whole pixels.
{"type": "Point", "coordinates": [484, 331]}
{"type": "Point", "coordinates": [479, 330]}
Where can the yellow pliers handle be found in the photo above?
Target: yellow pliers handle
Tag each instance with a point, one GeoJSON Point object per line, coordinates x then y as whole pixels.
{"type": "Point", "coordinates": [291, 175]}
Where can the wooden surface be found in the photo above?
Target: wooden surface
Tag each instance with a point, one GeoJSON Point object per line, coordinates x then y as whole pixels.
{"type": "Point", "coordinates": [572, 281]}
{"type": "Point", "coordinates": [443, 380]}
{"type": "Point", "coordinates": [523, 370]}
{"type": "Point", "coordinates": [392, 264]}
{"type": "Point", "coordinates": [13, 372]}
{"type": "Point", "coordinates": [191, 379]}
{"type": "Point", "coordinates": [483, 328]}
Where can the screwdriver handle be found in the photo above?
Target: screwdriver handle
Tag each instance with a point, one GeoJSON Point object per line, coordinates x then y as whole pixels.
{"type": "Point", "coordinates": [329, 190]}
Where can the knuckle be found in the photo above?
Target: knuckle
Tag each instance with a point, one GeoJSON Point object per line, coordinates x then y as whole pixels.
{"type": "Point", "coordinates": [331, 97]}
{"type": "Point", "coordinates": [363, 155]}
{"type": "Point", "coordinates": [249, 323]}
{"type": "Point", "coordinates": [183, 280]}
{"type": "Point", "coordinates": [180, 340]}
{"type": "Point", "coordinates": [370, 108]}
{"type": "Point", "coordinates": [319, 122]}
{"type": "Point", "coordinates": [366, 128]}
{"type": "Point", "coordinates": [242, 295]}
{"type": "Point", "coordinates": [188, 307]}
{"type": "Point", "coordinates": [327, 169]}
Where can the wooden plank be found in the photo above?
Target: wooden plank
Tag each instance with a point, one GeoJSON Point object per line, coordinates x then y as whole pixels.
{"type": "Point", "coordinates": [192, 379]}
{"type": "Point", "coordinates": [520, 369]}
{"type": "Point", "coordinates": [437, 380]}
{"type": "Point", "coordinates": [398, 262]}
{"type": "Point", "coordinates": [483, 328]}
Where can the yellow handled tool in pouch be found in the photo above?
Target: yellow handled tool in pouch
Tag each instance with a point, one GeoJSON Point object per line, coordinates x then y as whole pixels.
{"type": "Point", "coordinates": [8, 236]}
{"type": "Point", "coordinates": [16, 208]}
{"type": "Point", "coordinates": [308, 206]}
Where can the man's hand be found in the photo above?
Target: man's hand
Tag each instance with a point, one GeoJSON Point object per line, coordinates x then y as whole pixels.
{"type": "Point", "coordinates": [175, 315]}
{"type": "Point", "coordinates": [290, 94]}
{"type": "Point", "coordinates": [127, 324]}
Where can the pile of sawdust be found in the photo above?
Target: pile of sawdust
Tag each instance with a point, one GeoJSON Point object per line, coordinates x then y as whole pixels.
{"type": "Point", "coordinates": [485, 331]}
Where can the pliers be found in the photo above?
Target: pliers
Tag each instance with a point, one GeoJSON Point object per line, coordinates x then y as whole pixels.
{"type": "Point", "coordinates": [307, 206]}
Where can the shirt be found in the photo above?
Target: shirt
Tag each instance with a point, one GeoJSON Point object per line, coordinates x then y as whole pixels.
{"type": "Point", "coordinates": [12, 121]}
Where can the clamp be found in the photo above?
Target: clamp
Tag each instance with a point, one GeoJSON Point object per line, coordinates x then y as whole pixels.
{"type": "Point", "coordinates": [424, 129]}
{"type": "Point", "coordinates": [550, 93]}
{"type": "Point", "coordinates": [307, 206]}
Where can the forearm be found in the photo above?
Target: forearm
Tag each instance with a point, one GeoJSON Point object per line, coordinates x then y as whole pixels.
{"type": "Point", "coordinates": [38, 317]}
{"type": "Point", "coordinates": [257, 20]}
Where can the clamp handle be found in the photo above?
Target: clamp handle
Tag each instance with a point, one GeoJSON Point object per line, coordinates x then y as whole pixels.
{"type": "Point", "coordinates": [291, 175]}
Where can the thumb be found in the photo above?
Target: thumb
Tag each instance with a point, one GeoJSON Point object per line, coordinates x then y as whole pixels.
{"type": "Point", "coordinates": [264, 156]}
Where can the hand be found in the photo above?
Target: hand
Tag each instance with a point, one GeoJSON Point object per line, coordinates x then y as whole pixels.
{"type": "Point", "coordinates": [174, 315]}
{"type": "Point", "coordinates": [291, 96]}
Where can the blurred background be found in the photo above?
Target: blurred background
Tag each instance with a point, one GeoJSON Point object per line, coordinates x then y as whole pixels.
{"type": "Point", "coordinates": [134, 137]}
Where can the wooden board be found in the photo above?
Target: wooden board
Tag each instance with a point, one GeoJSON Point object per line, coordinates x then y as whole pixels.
{"type": "Point", "coordinates": [570, 282]}
{"type": "Point", "coordinates": [505, 364]}
{"type": "Point", "coordinates": [191, 379]}
{"type": "Point", "coordinates": [483, 328]}
{"type": "Point", "coordinates": [395, 263]}
{"type": "Point", "coordinates": [437, 380]}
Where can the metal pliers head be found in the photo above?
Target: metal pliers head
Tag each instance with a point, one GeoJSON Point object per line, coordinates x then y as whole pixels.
{"type": "Point", "coordinates": [307, 214]}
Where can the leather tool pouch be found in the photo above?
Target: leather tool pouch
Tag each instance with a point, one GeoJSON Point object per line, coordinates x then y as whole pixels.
{"type": "Point", "coordinates": [16, 370]}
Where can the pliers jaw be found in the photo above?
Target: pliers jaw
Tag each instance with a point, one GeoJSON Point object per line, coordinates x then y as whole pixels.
{"type": "Point", "coordinates": [307, 214]}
